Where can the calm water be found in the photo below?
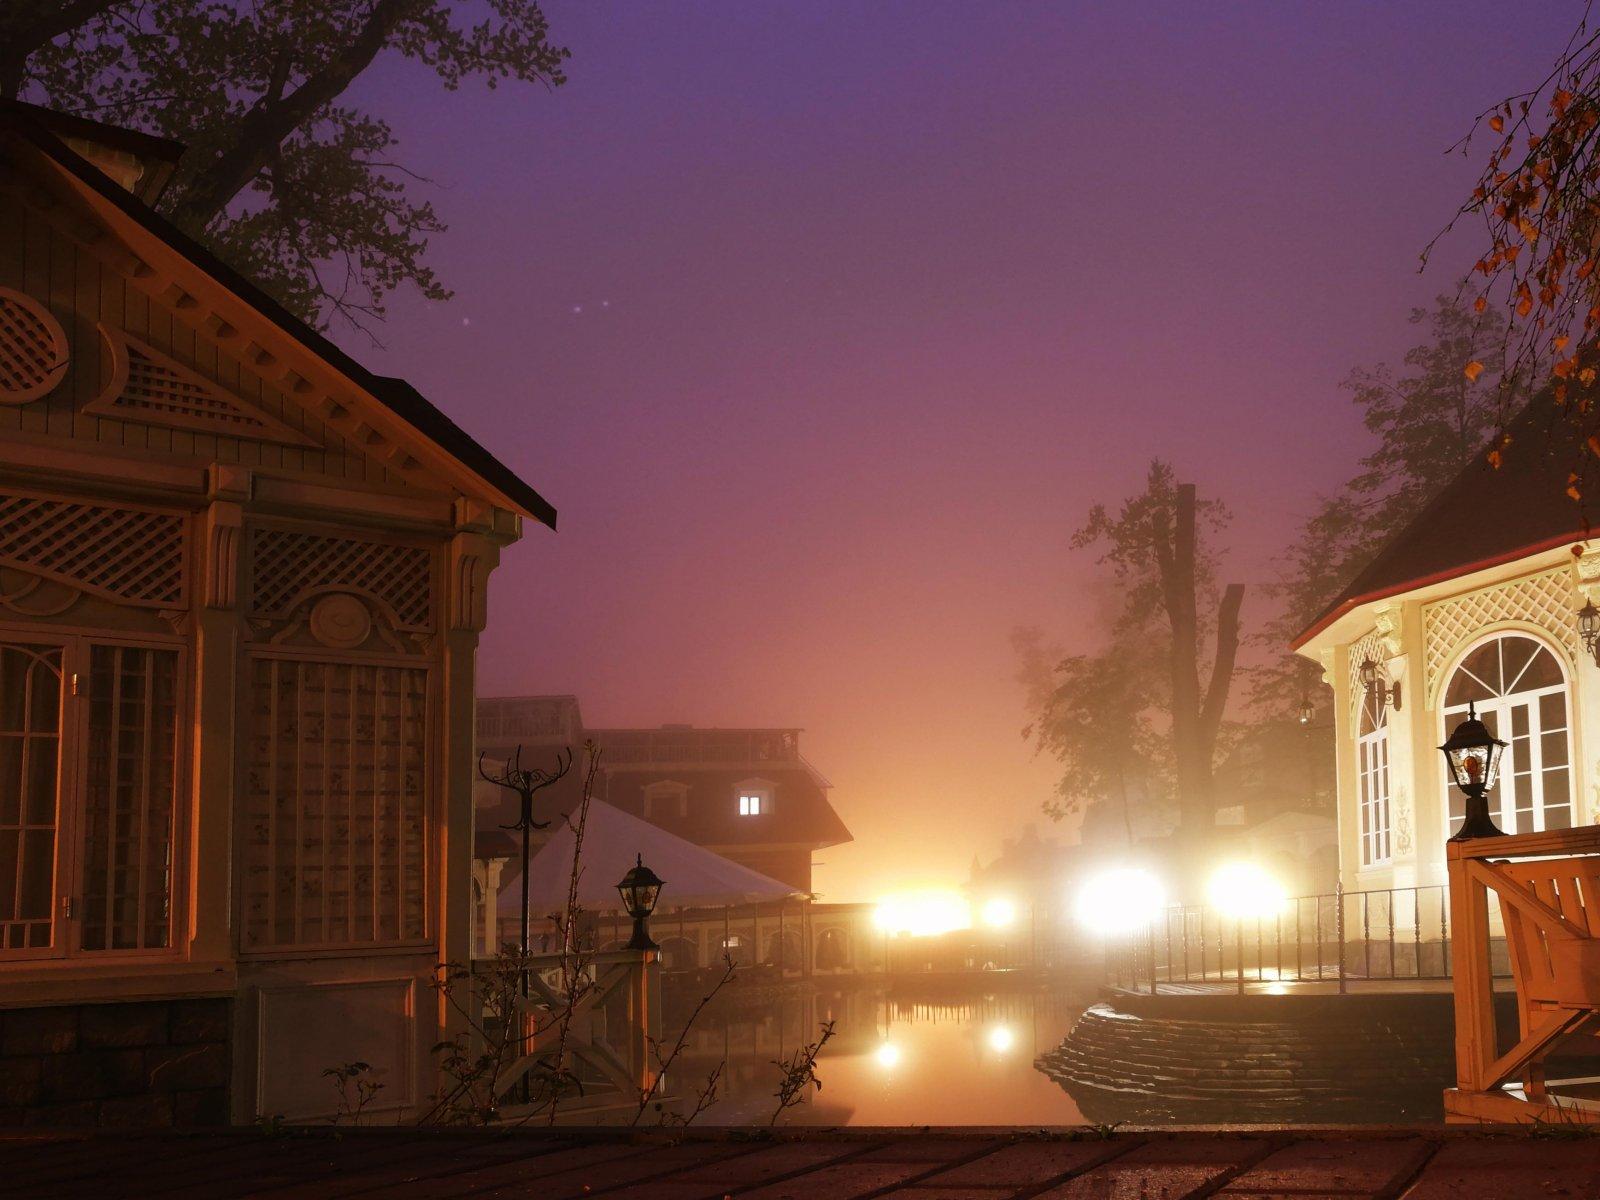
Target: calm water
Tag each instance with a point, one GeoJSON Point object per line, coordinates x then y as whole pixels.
{"type": "Point", "coordinates": [965, 1058]}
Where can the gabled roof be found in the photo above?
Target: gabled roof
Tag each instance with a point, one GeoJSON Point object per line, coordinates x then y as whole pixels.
{"type": "Point", "coordinates": [1482, 518]}
{"type": "Point", "coordinates": [399, 398]}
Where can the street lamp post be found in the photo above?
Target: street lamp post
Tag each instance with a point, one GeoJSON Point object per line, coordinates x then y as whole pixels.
{"type": "Point", "coordinates": [640, 889]}
{"type": "Point", "coordinates": [1473, 755]}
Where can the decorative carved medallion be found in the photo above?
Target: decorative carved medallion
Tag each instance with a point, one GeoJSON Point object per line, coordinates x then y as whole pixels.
{"type": "Point", "coordinates": [33, 349]}
{"type": "Point", "coordinates": [340, 621]}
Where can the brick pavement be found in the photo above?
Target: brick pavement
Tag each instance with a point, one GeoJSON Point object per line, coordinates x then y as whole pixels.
{"type": "Point", "coordinates": [1433, 1163]}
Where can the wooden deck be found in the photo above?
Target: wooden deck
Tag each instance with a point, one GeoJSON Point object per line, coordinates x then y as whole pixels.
{"type": "Point", "coordinates": [985, 1164]}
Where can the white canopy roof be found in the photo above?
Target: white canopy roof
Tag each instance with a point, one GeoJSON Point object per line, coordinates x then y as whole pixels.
{"type": "Point", "coordinates": [612, 841]}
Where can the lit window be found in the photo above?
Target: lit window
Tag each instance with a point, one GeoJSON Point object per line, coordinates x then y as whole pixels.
{"type": "Point", "coordinates": [750, 804]}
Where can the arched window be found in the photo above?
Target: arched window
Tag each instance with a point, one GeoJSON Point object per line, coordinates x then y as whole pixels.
{"type": "Point", "coordinates": [1521, 694]}
{"type": "Point", "coordinates": [1372, 748]}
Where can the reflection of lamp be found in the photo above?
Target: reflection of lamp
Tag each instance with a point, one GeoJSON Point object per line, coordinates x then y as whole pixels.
{"type": "Point", "coordinates": [1473, 755]}
{"type": "Point", "coordinates": [640, 889]}
{"type": "Point", "coordinates": [888, 1055]}
{"type": "Point", "coordinates": [1001, 1039]}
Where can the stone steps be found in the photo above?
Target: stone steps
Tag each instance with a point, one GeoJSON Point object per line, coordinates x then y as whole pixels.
{"type": "Point", "coordinates": [1369, 1062]}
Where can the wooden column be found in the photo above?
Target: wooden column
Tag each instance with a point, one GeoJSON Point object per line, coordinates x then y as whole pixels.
{"type": "Point", "coordinates": [1473, 983]}
{"type": "Point", "coordinates": [216, 744]}
{"type": "Point", "coordinates": [472, 553]}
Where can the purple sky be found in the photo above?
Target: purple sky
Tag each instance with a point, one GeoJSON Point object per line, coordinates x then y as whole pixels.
{"type": "Point", "coordinates": [823, 325]}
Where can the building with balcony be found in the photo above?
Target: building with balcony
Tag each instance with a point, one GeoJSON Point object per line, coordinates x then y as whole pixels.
{"type": "Point", "coordinates": [746, 794]}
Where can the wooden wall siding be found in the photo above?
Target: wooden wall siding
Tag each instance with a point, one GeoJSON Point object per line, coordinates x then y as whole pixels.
{"type": "Point", "coordinates": [80, 290]}
{"type": "Point", "coordinates": [130, 555]}
{"type": "Point", "coordinates": [287, 565]}
{"type": "Point", "coordinates": [336, 804]}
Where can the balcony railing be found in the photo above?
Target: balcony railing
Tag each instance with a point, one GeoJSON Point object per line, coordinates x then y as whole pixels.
{"type": "Point", "coordinates": [1337, 939]}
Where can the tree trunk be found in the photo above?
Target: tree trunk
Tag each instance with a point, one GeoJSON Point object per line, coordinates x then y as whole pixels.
{"type": "Point", "coordinates": [27, 29]}
{"type": "Point", "coordinates": [273, 118]}
{"type": "Point", "coordinates": [1196, 718]}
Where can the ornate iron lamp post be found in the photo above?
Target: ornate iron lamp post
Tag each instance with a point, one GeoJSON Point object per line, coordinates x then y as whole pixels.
{"type": "Point", "coordinates": [1473, 755]}
{"type": "Point", "coordinates": [640, 889]}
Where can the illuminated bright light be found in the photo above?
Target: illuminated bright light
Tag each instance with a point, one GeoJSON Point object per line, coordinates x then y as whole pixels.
{"type": "Point", "coordinates": [1122, 900]}
{"type": "Point", "coordinates": [922, 914]}
{"type": "Point", "coordinates": [887, 1055]}
{"type": "Point", "coordinates": [999, 913]}
{"type": "Point", "coordinates": [1243, 890]}
{"type": "Point", "coordinates": [1001, 1039]}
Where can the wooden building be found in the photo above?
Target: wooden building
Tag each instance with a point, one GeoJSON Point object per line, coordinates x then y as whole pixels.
{"type": "Point", "coordinates": [242, 581]}
{"type": "Point", "coordinates": [1475, 602]}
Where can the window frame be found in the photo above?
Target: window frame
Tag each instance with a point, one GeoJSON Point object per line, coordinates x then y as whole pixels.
{"type": "Point", "coordinates": [1374, 808]}
{"type": "Point", "coordinates": [70, 867]}
{"type": "Point", "coordinates": [1501, 708]}
{"type": "Point", "coordinates": [666, 791]}
{"type": "Point", "coordinates": [763, 791]}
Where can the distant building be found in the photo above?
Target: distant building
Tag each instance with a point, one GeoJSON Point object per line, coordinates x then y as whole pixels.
{"type": "Point", "coordinates": [1474, 602]}
{"type": "Point", "coordinates": [747, 794]}
{"type": "Point", "coordinates": [242, 581]}
{"type": "Point", "coordinates": [1276, 803]}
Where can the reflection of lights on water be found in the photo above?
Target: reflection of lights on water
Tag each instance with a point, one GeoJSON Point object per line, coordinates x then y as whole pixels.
{"type": "Point", "coordinates": [1001, 1039]}
{"type": "Point", "coordinates": [888, 1055]}
{"type": "Point", "coordinates": [922, 914]}
{"type": "Point", "coordinates": [999, 913]}
{"type": "Point", "coordinates": [1122, 900]}
{"type": "Point", "coordinates": [1277, 989]}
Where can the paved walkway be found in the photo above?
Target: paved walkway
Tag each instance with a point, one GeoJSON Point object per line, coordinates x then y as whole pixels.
{"type": "Point", "coordinates": [1414, 1164]}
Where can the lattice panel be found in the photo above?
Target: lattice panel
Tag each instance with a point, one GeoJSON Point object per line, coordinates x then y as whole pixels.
{"type": "Point", "coordinates": [287, 565]}
{"type": "Point", "coordinates": [1370, 646]}
{"type": "Point", "coordinates": [1544, 600]}
{"type": "Point", "coordinates": [148, 386]}
{"type": "Point", "coordinates": [335, 805]}
{"type": "Point", "coordinates": [33, 349]}
{"type": "Point", "coordinates": [128, 555]}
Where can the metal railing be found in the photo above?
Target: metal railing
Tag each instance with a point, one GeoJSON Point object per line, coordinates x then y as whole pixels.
{"type": "Point", "coordinates": [1339, 938]}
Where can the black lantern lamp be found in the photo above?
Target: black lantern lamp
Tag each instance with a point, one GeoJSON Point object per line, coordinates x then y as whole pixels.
{"type": "Point", "coordinates": [1473, 755]}
{"type": "Point", "coordinates": [1589, 629]}
{"type": "Point", "coordinates": [1378, 689]}
{"type": "Point", "coordinates": [640, 889]}
{"type": "Point", "coordinates": [1307, 711]}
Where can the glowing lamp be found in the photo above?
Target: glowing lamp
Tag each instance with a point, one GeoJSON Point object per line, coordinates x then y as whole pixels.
{"type": "Point", "coordinates": [1473, 755]}
{"type": "Point", "coordinates": [1121, 901]}
{"type": "Point", "coordinates": [999, 913]}
{"type": "Point", "coordinates": [640, 889]}
{"type": "Point", "coordinates": [1244, 891]}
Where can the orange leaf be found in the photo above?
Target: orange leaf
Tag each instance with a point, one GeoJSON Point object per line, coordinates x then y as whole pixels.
{"type": "Point", "coordinates": [1497, 123]}
{"type": "Point", "coordinates": [1472, 370]}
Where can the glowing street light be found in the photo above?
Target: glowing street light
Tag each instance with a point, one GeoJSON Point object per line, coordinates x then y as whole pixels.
{"type": "Point", "coordinates": [999, 913]}
{"type": "Point", "coordinates": [1243, 890]}
{"type": "Point", "coordinates": [1473, 755]}
{"type": "Point", "coordinates": [922, 914]}
{"type": "Point", "coordinates": [1120, 901]}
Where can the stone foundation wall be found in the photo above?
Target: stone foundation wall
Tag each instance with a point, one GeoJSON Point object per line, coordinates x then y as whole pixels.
{"type": "Point", "coordinates": [134, 1065]}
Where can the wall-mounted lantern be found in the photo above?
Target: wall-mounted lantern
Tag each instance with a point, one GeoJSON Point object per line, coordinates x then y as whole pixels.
{"type": "Point", "coordinates": [1473, 755]}
{"type": "Point", "coordinates": [1589, 629]}
{"type": "Point", "coordinates": [1379, 690]}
